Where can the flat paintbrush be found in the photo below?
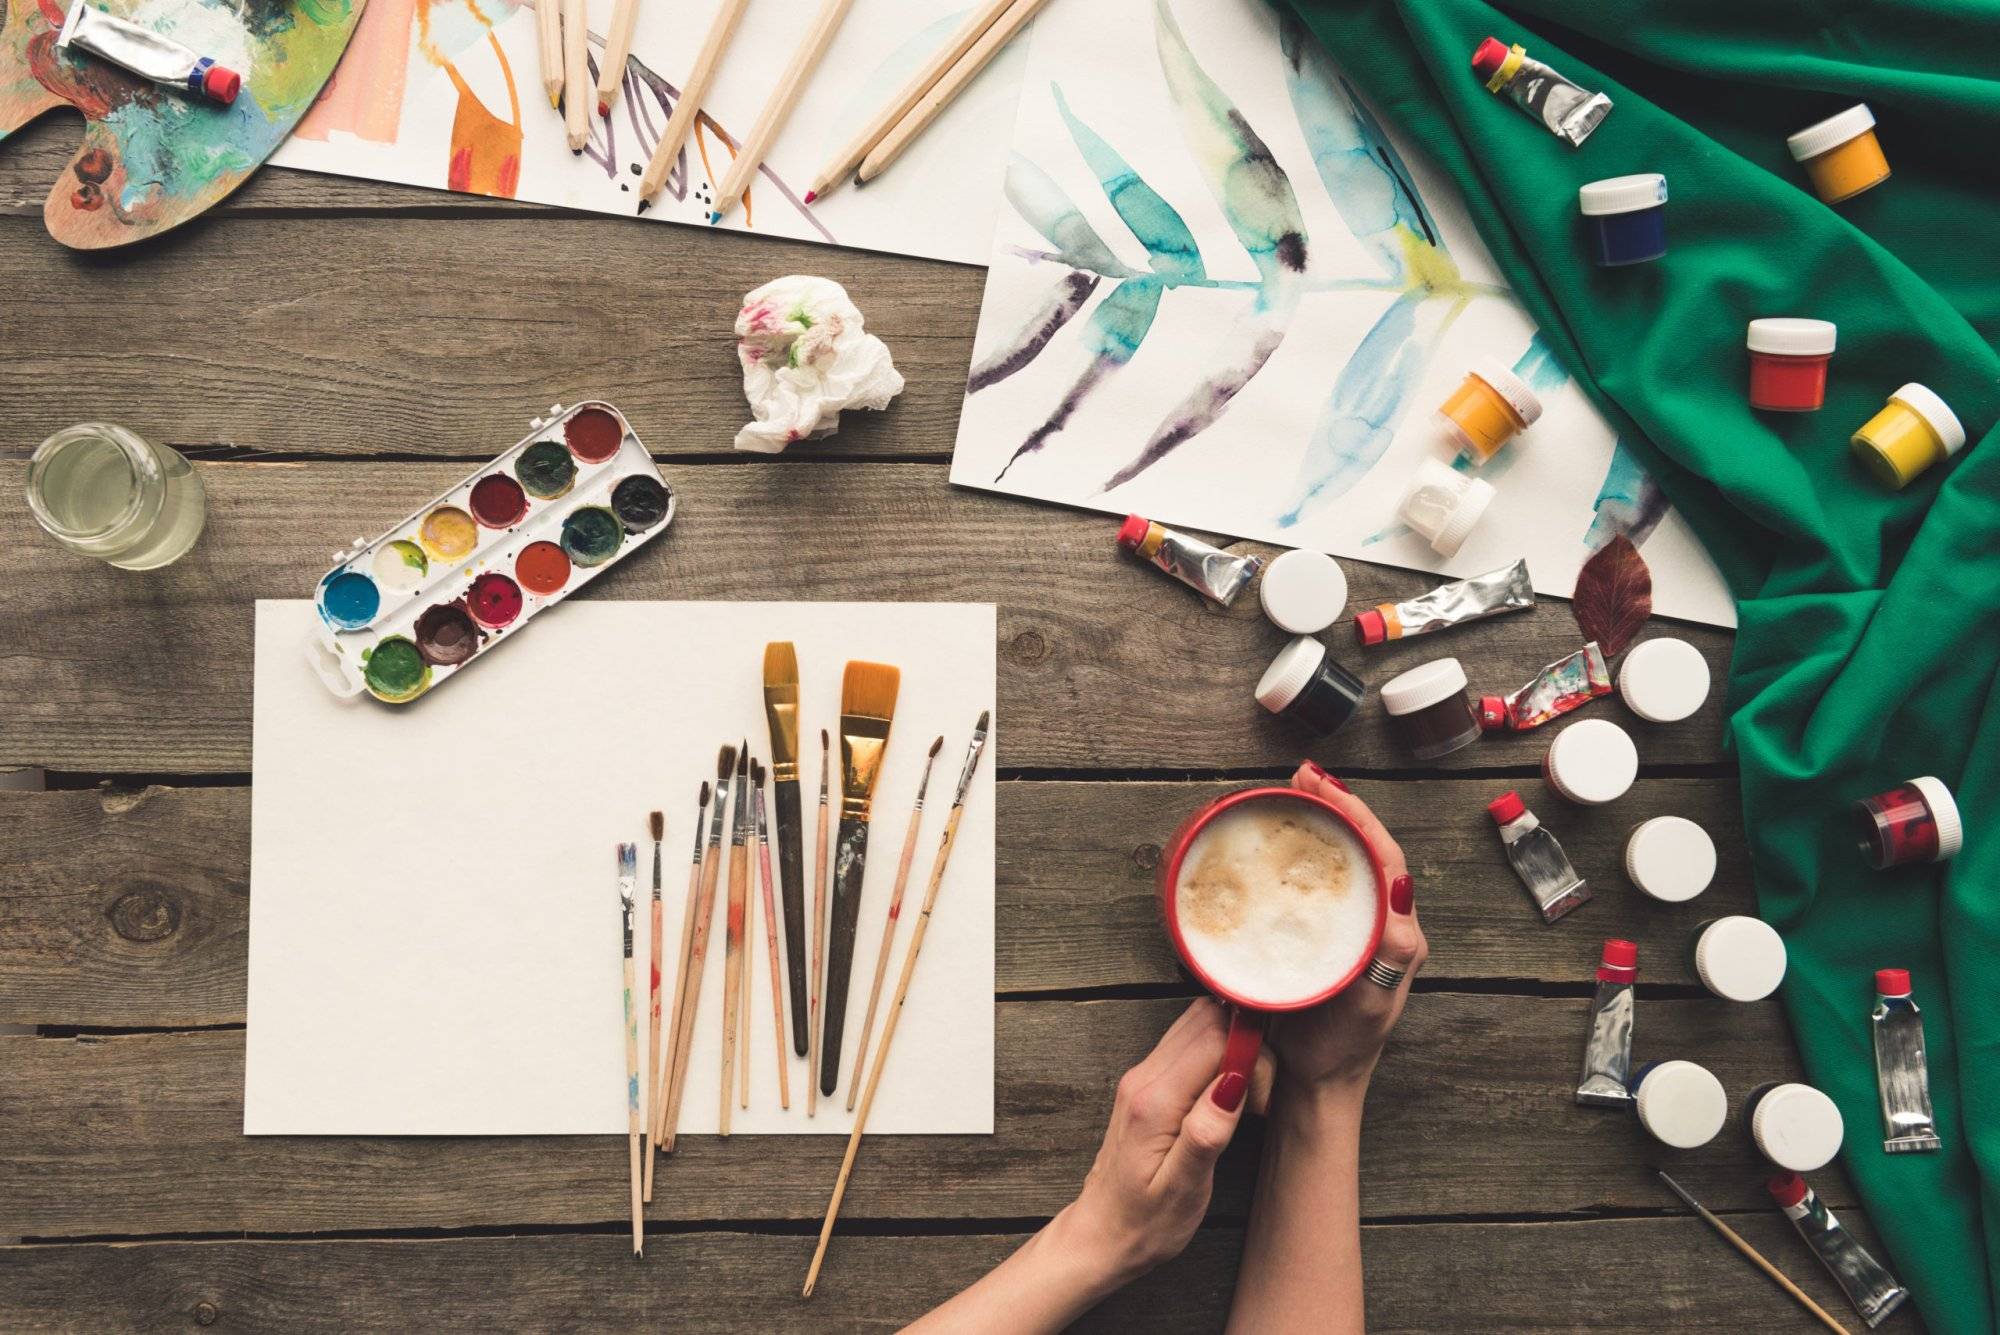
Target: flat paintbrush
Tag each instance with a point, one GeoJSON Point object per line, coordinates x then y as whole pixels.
{"type": "Point", "coordinates": [781, 711]}
{"type": "Point", "coordinates": [867, 706]}
{"type": "Point", "coordinates": [628, 872]}
{"type": "Point", "coordinates": [889, 925]}
{"type": "Point", "coordinates": [819, 932]}
{"type": "Point", "coordinates": [657, 823]}
{"type": "Point", "coordinates": [732, 965]}
{"type": "Point", "coordinates": [659, 1118]}
{"type": "Point", "coordinates": [770, 937]}
{"type": "Point", "coordinates": [917, 933]}
{"type": "Point", "coordinates": [704, 917]}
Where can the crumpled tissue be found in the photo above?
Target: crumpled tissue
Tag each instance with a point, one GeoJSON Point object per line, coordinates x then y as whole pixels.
{"type": "Point", "coordinates": [806, 358]}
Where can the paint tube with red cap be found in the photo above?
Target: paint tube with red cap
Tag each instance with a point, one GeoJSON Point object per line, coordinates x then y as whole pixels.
{"type": "Point", "coordinates": [1569, 112]}
{"type": "Point", "coordinates": [1873, 1290]}
{"type": "Point", "coordinates": [1537, 858]}
{"type": "Point", "coordinates": [1453, 604]}
{"type": "Point", "coordinates": [1607, 1055]}
{"type": "Point", "coordinates": [146, 53]}
{"type": "Point", "coordinates": [1900, 1072]}
{"type": "Point", "coordinates": [1558, 688]}
{"type": "Point", "coordinates": [1211, 572]}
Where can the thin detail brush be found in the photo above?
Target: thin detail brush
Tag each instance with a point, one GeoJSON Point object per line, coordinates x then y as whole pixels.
{"type": "Point", "coordinates": [680, 994]}
{"type": "Point", "coordinates": [657, 825]}
{"type": "Point", "coordinates": [819, 928]}
{"type": "Point", "coordinates": [749, 942]}
{"type": "Point", "coordinates": [771, 938]}
{"type": "Point", "coordinates": [628, 873]}
{"type": "Point", "coordinates": [732, 964]}
{"type": "Point", "coordinates": [889, 924]}
{"type": "Point", "coordinates": [704, 919]}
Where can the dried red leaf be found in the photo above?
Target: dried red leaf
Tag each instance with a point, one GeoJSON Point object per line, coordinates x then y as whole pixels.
{"type": "Point", "coordinates": [1614, 595]}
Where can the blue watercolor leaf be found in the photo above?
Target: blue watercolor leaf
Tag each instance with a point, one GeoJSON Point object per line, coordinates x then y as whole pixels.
{"type": "Point", "coordinates": [1629, 502]}
{"type": "Point", "coordinates": [1170, 246]}
{"type": "Point", "coordinates": [1059, 306]}
{"type": "Point", "coordinates": [1044, 206]}
{"type": "Point", "coordinates": [1111, 336]}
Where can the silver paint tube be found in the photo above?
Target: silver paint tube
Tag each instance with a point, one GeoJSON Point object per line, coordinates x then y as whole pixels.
{"type": "Point", "coordinates": [1569, 112]}
{"type": "Point", "coordinates": [1900, 1072]}
{"type": "Point", "coordinates": [1453, 604]}
{"type": "Point", "coordinates": [1607, 1055]}
{"type": "Point", "coordinates": [146, 53]}
{"type": "Point", "coordinates": [1211, 572]}
{"type": "Point", "coordinates": [1558, 688]}
{"type": "Point", "coordinates": [1537, 859]}
{"type": "Point", "coordinates": [1873, 1290]}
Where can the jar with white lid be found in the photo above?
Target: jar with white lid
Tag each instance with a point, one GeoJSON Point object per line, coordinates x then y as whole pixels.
{"type": "Point", "coordinates": [1680, 1103]}
{"type": "Point", "coordinates": [1663, 680]}
{"type": "Point", "coordinates": [1671, 858]}
{"type": "Point", "coordinates": [1739, 958]}
{"type": "Point", "coordinates": [1303, 592]}
{"type": "Point", "coordinates": [1431, 710]}
{"type": "Point", "coordinates": [1794, 1126]}
{"type": "Point", "coordinates": [1591, 762]}
{"type": "Point", "coordinates": [1444, 505]}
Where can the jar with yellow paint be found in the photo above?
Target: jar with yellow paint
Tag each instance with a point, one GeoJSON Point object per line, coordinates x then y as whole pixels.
{"type": "Point", "coordinates": [1487, 409]}
{"type": "Point", "coordinates": [1914, 430]}
{"type": "Point", "coordinates": [1841, 154]}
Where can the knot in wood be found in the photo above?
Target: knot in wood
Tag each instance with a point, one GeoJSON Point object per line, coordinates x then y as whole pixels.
{"type": "Point", "coordinates": [205, 1313]}
{"type": "Point", "coordinates": [1027, 648]}
{"type": "Point", "coordinates": [1146, 857]}
{"type": "Point", "coordinates": [149, 913]}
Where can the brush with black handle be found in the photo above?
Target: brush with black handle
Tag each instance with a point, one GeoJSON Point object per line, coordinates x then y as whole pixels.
{"type": "Point", "coordinates": [867, 705]}
{"type": "Point", "coordinates": [781, 710]}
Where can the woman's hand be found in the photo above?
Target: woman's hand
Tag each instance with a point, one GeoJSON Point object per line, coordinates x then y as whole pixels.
{"type": "Point", "coordinates": [1335, 1046]}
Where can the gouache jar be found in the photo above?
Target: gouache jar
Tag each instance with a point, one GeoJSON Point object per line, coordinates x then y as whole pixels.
{"type": "Point", "coordinates": [1625, 218]}
{"type": "Point", "coordinates": [1794, 1126]}
{"type": "Point", "coordinates": [1739, 958]}
{"type": "Point", "coordinates": [1680, 1104]}
{"type": "Point", "coordinates": [1591, 762]}
{"type": "Point", "coordinates": [1663, 680]}
{"type": "Point", "coordinates": [1431, 710]}
{"type": "Point", "coordinates": [1914, 430]}
{"type": "Point", "coordinates": [1670, 858]}
{"type": "Point", "coordinates": [1914, 822]}
{"type": "Point", "coordinates": [1303, 592]}
{"type": "Point", "coordinates": [1842, 157]}
{"type": "Point", "coordinates": [1306, 686]}
{"type": "Point", "coordinates": [1444, 505]}
{"type": "Point", "coordinates": [1788, 360]}
{"type": "Point", "coordinates": [1488, 407]}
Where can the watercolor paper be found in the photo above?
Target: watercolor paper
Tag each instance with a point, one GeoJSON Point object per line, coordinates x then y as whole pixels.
{"type": "Point", "coordinates": [448, 94]}
{"type": "Point", "coordinates": [434, 922]}
{"type": "Point", "coordinates": [1222, 295]}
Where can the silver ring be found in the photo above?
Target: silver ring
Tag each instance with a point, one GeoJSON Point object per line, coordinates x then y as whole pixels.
{"type": "Point", "coordinates": [1386, 975]}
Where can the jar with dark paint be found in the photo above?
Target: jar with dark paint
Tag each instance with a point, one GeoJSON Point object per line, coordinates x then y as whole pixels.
{"type": "Point", "coordinates": [1625, 218]}
{"type": "Point", "coordinates": [1306, 686]}
{"type": "Point", "coordinates": [1913, 822]}
{"type": "Point", "coordinates": [1431, 709]}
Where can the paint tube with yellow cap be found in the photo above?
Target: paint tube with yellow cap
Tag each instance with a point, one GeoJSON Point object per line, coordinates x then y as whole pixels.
{"type": "Point", "coordinates": [1569, 112]}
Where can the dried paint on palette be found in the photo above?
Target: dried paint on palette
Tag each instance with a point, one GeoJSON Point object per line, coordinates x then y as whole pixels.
{"type": "Point", "coordinates": [494, 600]}
{"type": "Point", "coordinates": [546, 470]}
{"type": "Point", "coordinates": [593, 435]}
{"type": "Point", "coordinates": [640, 502]}
{"type": "Point", "coordinates": [591, 535]}
{"type": "Point", "coordinates": [445, 635]}
{"type": "Point", "coordinates": [395, 671]}
{"type": "Point", "coordinates": [542, 568]}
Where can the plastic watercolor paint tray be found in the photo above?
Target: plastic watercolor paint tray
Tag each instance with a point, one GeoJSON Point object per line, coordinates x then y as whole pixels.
{"type": "Point", "coordinates": [441, 589]}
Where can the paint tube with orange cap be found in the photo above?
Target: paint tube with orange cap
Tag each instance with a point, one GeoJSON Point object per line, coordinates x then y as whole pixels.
{"type": "Point", "coordinates": [1505, 590]}
{"type": "Point", "coordinates": [1569, 112]}
{"type": "Point", "coordinates": [1211, 572]}
{"type": "Point", "coordinates": [146, 53]}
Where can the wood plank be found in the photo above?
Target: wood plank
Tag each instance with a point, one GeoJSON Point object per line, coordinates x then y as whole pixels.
{"type": "Point", "coordinates": [130, 910]}
{"type": "Point", "coordinates": [1616, 1275]}
{"type": "Point", "coordinates": [141, 1134]}
{"type": "Point", "coordinates": [1106, 663]}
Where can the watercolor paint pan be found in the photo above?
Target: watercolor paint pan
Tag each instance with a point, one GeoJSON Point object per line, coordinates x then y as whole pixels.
{"type": "Point", "coordinates": [443, 587]}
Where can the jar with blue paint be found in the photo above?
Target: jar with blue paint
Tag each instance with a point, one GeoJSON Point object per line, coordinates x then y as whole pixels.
{"type": "Point", "coordinates": [1625, 218]}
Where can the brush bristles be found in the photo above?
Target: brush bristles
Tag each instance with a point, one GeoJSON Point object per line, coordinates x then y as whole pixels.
{"type": "Point", "coordinates": [659, 824]}
{"type": "Point", "coordinates": [743, 759]}
{"type": "Point", "coordinates": [869, 690]}
{"type": "Point", "coordinates": [781, 664]}
{"type": "Point", "coordinates": [757, 773]}
{"type": "Point", "coordinates": [937, 746]}
{"type": "Point", "coordinates": [725, 761]}
{"type": "Point", "coordinates": [824, 741]}
{"type": "Point", "coordinates": [985, 717]}
{"type": "Point", "coordinates": [628, 859]}
{"type": "Point", "coordinates": [704, 794]}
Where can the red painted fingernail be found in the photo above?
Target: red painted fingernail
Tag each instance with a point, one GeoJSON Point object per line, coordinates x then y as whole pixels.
{"type": "Point", "coordinates": [1319, 773]}
{"type": "Point", "coordinates": [1402, 894]}
{"type": "Point", "coordinates": [1229, 1091]}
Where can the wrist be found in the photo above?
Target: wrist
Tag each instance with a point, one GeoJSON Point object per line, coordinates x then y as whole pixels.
{"type": "Point", "coordinates": [1318, 1107]}
{"type": "Point", "coordinates": [1090, 1252]}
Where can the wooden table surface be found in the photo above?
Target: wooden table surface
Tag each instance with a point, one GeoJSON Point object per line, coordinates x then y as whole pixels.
{"type": "Point", "coordinates": [333, 351]}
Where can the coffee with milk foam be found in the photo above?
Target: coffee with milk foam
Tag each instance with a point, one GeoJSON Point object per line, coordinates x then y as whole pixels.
{"type": "Point", "coordinates": [1276, 901]}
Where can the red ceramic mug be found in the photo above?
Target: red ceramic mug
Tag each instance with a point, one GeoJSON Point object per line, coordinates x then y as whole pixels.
{"type": "Point", "coordinates": [1248, 1017]}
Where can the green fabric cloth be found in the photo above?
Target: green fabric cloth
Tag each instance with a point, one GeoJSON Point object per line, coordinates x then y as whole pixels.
{"type": "Point", "coordinates": [1870, 621]}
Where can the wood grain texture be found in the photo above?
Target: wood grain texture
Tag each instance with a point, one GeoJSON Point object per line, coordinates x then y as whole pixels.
{"type": "Point", "coordinates": [1623, 1276]}
{"type": "Point", "coordinates": [1471, 1114]}
{"type": "Point", "coordinates": [130, 910]}
{"type": "Point", "coordinates": [1105, 663]}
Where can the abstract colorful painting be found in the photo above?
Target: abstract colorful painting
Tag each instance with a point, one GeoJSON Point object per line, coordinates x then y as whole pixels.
{"type": "Point", "coordinates": [152, 157]}
{"type": "Point", "coordinates": [447, 94]}
{"type": "Point", "coordinates": [1222, 295]}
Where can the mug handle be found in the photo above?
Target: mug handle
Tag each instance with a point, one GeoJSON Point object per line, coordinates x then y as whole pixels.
{"type": "Point", "coordinates": [1246, 1040]}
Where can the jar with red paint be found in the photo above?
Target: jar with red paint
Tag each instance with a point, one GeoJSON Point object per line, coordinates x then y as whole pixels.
{"type": "Point", "coordinates": [1788, 360]}
{"type": "Point", "coordinates": [1914, 822]}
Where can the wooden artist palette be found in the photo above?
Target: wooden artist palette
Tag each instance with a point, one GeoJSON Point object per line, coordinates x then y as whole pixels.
{"type": "Point", "coordinates": [440, 589]}
{"type": "Point", "coordinates": [152, 157]}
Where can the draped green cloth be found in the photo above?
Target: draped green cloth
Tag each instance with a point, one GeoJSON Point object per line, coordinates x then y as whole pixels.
{"type": "Point", "coordinates": [1870, 620]}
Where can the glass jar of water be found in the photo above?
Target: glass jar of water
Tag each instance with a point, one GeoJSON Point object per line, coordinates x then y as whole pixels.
{"type": "Point", "coordinates": [101, 490]}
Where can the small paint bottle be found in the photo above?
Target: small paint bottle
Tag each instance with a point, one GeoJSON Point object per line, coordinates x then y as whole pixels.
{"type": "Point", "coordinates": [1489, 406]}
{"type": "Point", "coordinates": [1794, 1126]}
{"type": "Point", "coordinates": [1303, 592]}
{"type": "Point", "coordinates": [1625, 218]}
{"type": "Point", "coordinates": [1430, 709]}
{"type": "Point", "coordinates": [1663, 680]}
{"type": "Point", "coordinates": [1671, 858]}
{"type": "Point", "coordinates": [1788, 360]}
{"type": "Point", "coordinates": [1913, 822]}
{"type": "Point", "coordinates": [1444, 505]}
{"type": "Point", "coordinates": [1914, 430]}
{"type": "Point", "coordinates": [1591, 762]}
{"type": "Point", "coordinates": [1680, 1104]}
{"type": "Point", "coordinates": [1841, 154]}
{"type": "Point", "coordinates": [1306, 686]}
{"type": "Point", "coordinates": [1739, 958]}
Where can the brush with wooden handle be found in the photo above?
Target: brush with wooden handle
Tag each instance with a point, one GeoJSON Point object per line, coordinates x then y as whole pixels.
{"type": "Point", "coordinates": [938, 866]}
{"type": "Point", "coordinates": [658, 825]}
{"type": "Point", "coordinates": [781, 711]}
{"type": "Point", "coordinates": [659, 1118]}
{"type": "Point", "coordinates": [889, 925]}
{"type": "Point", "coordinates": [628, 872]}
{"type": "Point", "coordinates": [749, 939]}
{"type": "Point", "coordinates": [771, 940]}
{"type": "Point", "coordinates": [1752, 1255]}
{"type": "Point", "coordinates": [732, 964]}
{"type": "Point", "coordinates": [819, 931]}
{"type": "Point", "coordinates": [867, 706]}
{"type": "Point", "coordinates": [704, 917]}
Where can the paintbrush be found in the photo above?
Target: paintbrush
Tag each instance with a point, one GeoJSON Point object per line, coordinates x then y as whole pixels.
{"type": "Point", "coordinates": [628, 872]}
{"type": "Point", "coordinates": [658, 823]}
{"type": "Point", "coordinates": [819, 931]}
{"type": "Point", "coordinates": [867, 706]}
{"type": "Point", "coordinates": [1752, 1255]}
{"type": "Point", "coordinates": [889, 924]}
{"type": "Point", "coordinates": [704, 916]}
{"type": "Point", "coordinates": [781, 711]}
{"type": "Point", "coordinates": [732, 967]}
{"type": "Point", "coordinates": [749, 937]}
{"type": "Point", "coordinates": [680, 994]}
{"type": "Point", "coordinates": [770, 937]}
{"type": "Point", "coordinates": [902, 995]}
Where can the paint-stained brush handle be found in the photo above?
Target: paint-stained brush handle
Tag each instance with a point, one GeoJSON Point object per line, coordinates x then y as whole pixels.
{"type": "Point", "coordinates": [792, 885]}
{"type": "Point", "coordinates": [850, 857]}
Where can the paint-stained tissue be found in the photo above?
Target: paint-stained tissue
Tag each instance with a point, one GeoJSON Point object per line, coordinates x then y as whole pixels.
{"type": "Point", "coordinates": [806, 358]}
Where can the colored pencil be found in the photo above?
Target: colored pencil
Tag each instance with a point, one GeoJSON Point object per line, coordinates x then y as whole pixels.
{"type": "Point", "coordinates": [628, 872]}
{"type": "Point", "coordinates": [732, 966]}
{"type": "Point", "coordinates": [680, 994]}
{"type": "Point", "coordinates": [548, 38]}
{"type": "Point", "coordinates": [940, 95]}
{"type": "Point", "coordinates": [658, 825]}
{"type": "Point", "coordinates": [781, 712]}
{"type": "Point", "coordinates": [1751, 1254]}
{"type": "Point", "coordinates": [617, 47]}
{"type": "Point", "coordinates": [889, 923]}
{"type": "Point", "coordinates": [778, 107]}
{"type": "Point", "coordinates": [902, 995]}
{"type": "Point", "coordinates": [771, 940]}
{"type": "Point", "coordinates": [867, 709]}
{"type": "Point", "coordinates": [704, 917]}
{"type": "Point", "coordinates": [688, 105]}
{"type": "Point", "coordinates": [819, 929]}
{"type": "Point", "coordinates": [576, 74]}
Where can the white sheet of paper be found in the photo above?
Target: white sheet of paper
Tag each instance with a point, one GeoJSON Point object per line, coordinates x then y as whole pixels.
{"type": "Point", "coordinates": [442, 94]}
{"type": "Point", "coordinates": [1248, 473]}
{"type": "Point", "coordinates": [434, 922]}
